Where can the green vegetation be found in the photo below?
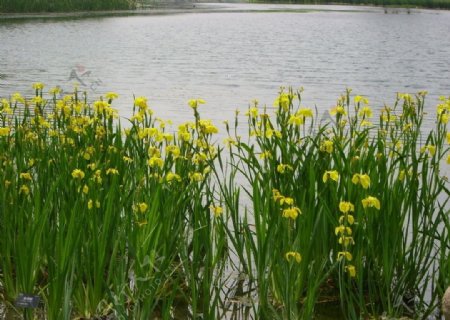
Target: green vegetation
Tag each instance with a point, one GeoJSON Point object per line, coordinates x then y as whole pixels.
{"type": "Point", "coordinates": [34, 6]}
{"type": "Point", "coordinates": [287, 214]}
{"type": "Point", "coordinates": [63, 5]}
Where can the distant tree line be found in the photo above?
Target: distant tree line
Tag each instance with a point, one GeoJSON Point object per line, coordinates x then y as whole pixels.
{"type": "Point", "coordinates": [92, 5]}
{"type": "Point", "coordinates": [64, 5]}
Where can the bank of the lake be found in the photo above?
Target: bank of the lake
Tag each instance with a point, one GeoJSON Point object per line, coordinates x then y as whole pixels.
{"type": "Point", "coordinates": [30, 6]}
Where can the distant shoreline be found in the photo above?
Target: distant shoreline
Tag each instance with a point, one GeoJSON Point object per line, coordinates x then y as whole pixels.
{"type": "Point", "coordinates": [173, 8]}
{"type": "Point", "coordinates": [187, 8]}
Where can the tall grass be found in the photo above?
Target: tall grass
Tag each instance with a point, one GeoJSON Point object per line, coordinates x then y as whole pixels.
{"type": "Point", "coordinates": [63, 5]}
{"type": "Point", "coordinates": [145, 222]}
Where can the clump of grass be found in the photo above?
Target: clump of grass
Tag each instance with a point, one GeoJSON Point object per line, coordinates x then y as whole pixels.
{"type": "Point", "coordinates": [64, 5]}
{"type": "Point", "coordinates": [145, 222]}
{"type": "Point", "coordinates": [358, 202]}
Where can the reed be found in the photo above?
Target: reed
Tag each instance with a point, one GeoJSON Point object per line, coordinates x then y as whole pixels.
{"type": "Point", "coordinates": [7, 6]}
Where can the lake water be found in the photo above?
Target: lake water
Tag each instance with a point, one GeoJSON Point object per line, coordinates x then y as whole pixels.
{"type": "Point", "coordinates": [230, 54]}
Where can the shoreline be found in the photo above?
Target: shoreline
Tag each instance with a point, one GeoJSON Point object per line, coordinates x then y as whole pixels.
{"type": "Point", "coordinates": [202, 7]}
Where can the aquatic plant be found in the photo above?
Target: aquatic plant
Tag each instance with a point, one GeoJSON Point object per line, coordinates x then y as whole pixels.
{"type": "Point", "coordinates": [290, 213]}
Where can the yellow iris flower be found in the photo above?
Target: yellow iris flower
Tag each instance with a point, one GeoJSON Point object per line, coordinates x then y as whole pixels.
{"type": "Point", "coordinates": [293, 255]}
{"type": "Point", "coordinates": [216, 210]}
{"type": "Point", "coordinates": [25, 176]}
{"type": "Point", "coordinates": [196, 176]}
{"type": "Point", "coordinates": [291, 213]}
{"type": "Point", "coordinates": [350, 219]}
{"type": "Point", "coordinates": [345, 254]}
{"type": "Point", "coordinates": [38, 86]}
{"type": "Point", "coordinates": [346, 207]}
{"type": "Point", "coordinates": [362, 179]}
{"type": "Point", "coordinates": [366, 112]}
{"type": "Point", "coordinates": [338, 110]}
{"type": "Point", "coordinates": [343, 230]}
{"type": "Point", "coordinates": [78, 174]}
{"type": "Point", "coordinates": [371, 202]}
{"type": "Point", "coordinates": [141, 103]}
{"type": "Point", "coordinates": [333, 175]}
{"type": "Point", "coordinates": [112, 171]}
{"type": "Point", "coordinates": [5, 131]}
{"type": "Point", "coordinates": [194, 103]}
{"type": "Point", "coordinates": [155, 162]}
{"type": "Point", "coordinates": [351, 270]}
{"type": "Point", "coordinates": [431, 149]}
{"type": "Point", "coordinates": [24, 189]}
{"type": "Point", "coordinates": [281, 168]}
{"type": "Point", "coordinates": [142, 207]}
{"type": "Point", "coordinates": [327, 146]}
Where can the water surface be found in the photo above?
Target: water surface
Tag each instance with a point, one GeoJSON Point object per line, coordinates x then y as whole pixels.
{"type": "Point", "coordinates": [229, 54]}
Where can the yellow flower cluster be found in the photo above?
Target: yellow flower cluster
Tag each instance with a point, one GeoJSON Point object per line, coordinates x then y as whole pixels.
{"type": "Point", "coordinates": [443, 110]}
{"type": "Point", "coordinates": [38, 86]}
{"type": "Point", "coordinates": [366, 112]}
{"type": "Point", "coordinates": [111, 96]}
{"type": "Point", "coordinates": [344, 232]}
{"type": "Point", "coordinates": [283, 101]}
{"type": "Point", "coordinates": [140, 207]}
{"type": "Point", "coordinates": [112, 171]}
{"type": "Point", "coordinates": [338, 110]}
{"type": "Point", "coordinates": [24, 189]}
{"type": "Point", "coordinates": [91, 204]}
{"type": "Point", "coordinates": [428, 149]}
{"type": "Point", "coordinates": [265, 155]}
{"type": "Point", "coordinates": [5, 131]}
{"type": "Point", "coordinates": [25, 176]}
{"type": "Point", "coordinates": [196, 176]}
{"type": "Point", "coordinates": [300, 116]}
{"type": "Point", "coordinates": [172, 177]}
{"type": "Point", "coordinates": [141, 103]}
{"type": "Point", "coordinates": [207, 127]}
{"type": "Point", "coordinates": [194, 103]}
{"type": "Point", "coordinates": [282, 168]}
{"type": "Point", "coordinates": [289, 210]}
